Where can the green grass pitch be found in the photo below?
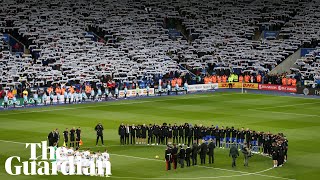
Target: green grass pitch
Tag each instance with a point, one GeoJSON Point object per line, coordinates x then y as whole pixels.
{"type": "Point", "coordinates": [297, 118]}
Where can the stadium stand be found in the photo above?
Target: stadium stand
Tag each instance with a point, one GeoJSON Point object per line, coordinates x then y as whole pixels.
{"type": "Point", "coordinates": [310, 67]}
{"type": "Point", "coordinates": [85, 41]}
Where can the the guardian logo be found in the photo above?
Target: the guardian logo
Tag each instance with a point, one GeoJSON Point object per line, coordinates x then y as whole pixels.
{"type": "Point", "coordinates": [58, 162]}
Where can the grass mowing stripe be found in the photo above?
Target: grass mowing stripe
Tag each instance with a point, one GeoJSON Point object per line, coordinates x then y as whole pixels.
{"type": "Point", "coordinates": [46, 109]}
{"type": "Point", "coordinates": [288, 105]}
{"type": "Point", "coordinates": [276, 112]}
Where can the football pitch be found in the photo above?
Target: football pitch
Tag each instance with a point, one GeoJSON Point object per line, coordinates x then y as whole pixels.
{"type": "Point", "coordinates": [297, 118]}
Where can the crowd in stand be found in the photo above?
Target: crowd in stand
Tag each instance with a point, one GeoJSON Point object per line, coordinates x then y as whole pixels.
{"type": "Point", "coordinates": [267, 79]}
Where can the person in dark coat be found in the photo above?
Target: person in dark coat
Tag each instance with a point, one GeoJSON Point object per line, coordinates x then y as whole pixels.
{"type": "Point", "coordinates": [203, 152]}
{"type": "Point", "coordinates": [122, 133]}
{"type": "Point", "coordinates": [174, 153]}
{"type": "Point", "coordinates": [175, 130]}
{"type": "Point", "coordinates": [56, 136]}
{"type": "Point", "coordinates": [156, 132]}
{"type": "Point", "coordinates": [188, 155]}
{"type": "Point", "coordinates": [195, 149]}
{"type": "Point", "coordinates": [133, 134]}
{"type": "Point", "coordinates": [190, 135]}
{"type": "Point", "coordinates": [78, 136]}
{"type": "Point", "coordinates": [211, 147]}
{"type": "Point", "coordinates": [196, 133]}
{"type": "Point", "coordinates": [168, 158]}
{"type": "Point", "coordinates": [217, 135]}
{"type": "Point", "coordinates": [186, 133]}
{"type": "Point", "coordinates": [280, 155]}
{"type": "Point", "coordinates": [99, 129]}
{"type": "Point", "coordinates": [72, 137]}
{"type": "Point", "coordinates": [138, 134]}
{"type": "Point", "coordinates": [150, 134]}
{"type": "Point", "coordinates": [143, 134]}
{"type": "Point", "coordinates": [165, 134]}
{"type": "Point", "coordinates": [51, 138]}
{"type": "Point", "coordinates": [181, 156]}
{"type": "Point", "coordinates": [181, 133]}
{"type": "Point", "coordinates": [161, 137]}
{"type": "Point", "coordinates": [203, 132]}
{"type": "Point", "coordinates": [66, 136]}
{"type": "Point", "coordinates": [275, 154]}
{"type": "Point", "coordinates": [234, 153]}
{"type": "Point", "coordinates": [170, 133]}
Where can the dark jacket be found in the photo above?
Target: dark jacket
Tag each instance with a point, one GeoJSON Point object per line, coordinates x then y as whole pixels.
{"type": "Point", "coordinates": [190, 132]}
{"type": "Point", "coordinates": [56, 137]}
{"type": "Point", "coordinates": [195, 149]}
{"type": "Point", "coordinates": [186, 130]}
{"type": "Point", "coordinates": [211, 147]}
{"type": "Point", "coordinates": [203, 149]}
{"type": "Point", "coordinates": [156, 130]}
{"type": "Point", "coordinates": [78, 133]}
{"type": "Point", "coordinates": [182, 154]}
{"type": "Point", "coordinates": [144, 131]}
{"type": "Point", "coordinates": [122, 131]}
{"type": "Point", "coordinates": [167, 155]}
{"type": "Point", "coordinates": [188, 152]}
{"type": "Point", "coordinates": [51, 136]}
{"type": "Point", "coordinates": [132, 131]}
{"type": "Point", "coordinates": [181, 130]}
{"type": "Point", "coordinates": [150, 131]}
{"type": "Point", "coordinates": [165, 131]}
{"type": "Point", "coordinates": [175, 131]}
{"type": "Point", "coordinates": [99, 129]}
{"type": "Point", "coordinates": [234, 151]}
{"type": "Point", "coordinates": [174, 152]}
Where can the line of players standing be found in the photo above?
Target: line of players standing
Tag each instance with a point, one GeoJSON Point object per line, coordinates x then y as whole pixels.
{"type": "Point", "coordinates": [175, 155]}
{"type": "Point", "coordinates": [186, 133]}
{"type": "Point", "coordinates": [162, 134]}
{"type": "Point", "coordinates": [73, 134]}
{"type": "Point", "coordinates": [274, 145]}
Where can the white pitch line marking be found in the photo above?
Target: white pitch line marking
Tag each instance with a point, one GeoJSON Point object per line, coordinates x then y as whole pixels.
{"type": "Point", "coordinates": [216, 177]}
{"type": "Point", "coordinates": [287, 105]}
{"type": "Point", "coordinates": [242, 172]}
{"type": "Point", "coordinates": [276, 112]}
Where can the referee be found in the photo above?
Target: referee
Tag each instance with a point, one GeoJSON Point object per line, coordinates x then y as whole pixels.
{"type": "Point", "coordinates": [99, 129]}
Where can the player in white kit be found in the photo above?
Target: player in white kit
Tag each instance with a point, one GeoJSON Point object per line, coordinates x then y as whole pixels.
{"type": "Point", "coordinates": [106, 163]}
{"type": "Point", "coordinates": [62, 157]}
{"type": "Point", "coordinates": [70, 158]}
{"type": "Point", "coordinates": [99, 164]}
{"type": "Point", "coordinates": [85, 159]}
